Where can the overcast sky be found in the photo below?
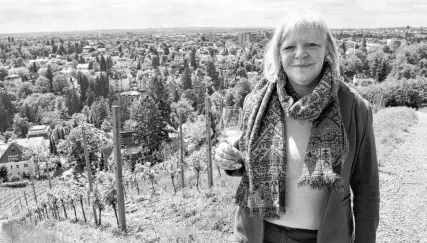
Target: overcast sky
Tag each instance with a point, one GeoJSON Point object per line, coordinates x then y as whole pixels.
{"type": "Point", "coordinates": [18, 16]}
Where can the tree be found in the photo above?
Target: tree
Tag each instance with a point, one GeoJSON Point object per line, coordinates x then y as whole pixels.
{"type": "Point", "coordinates": [3, 173]}
{"type": "Point", "coordinates": [183, 107]}
{"type": "Point", "coordinates": [19, 62]}
{"type": "Point", "coordinates": [344, 48]}
{"type": "Point", "coordinates": [72, 101]}
{"type": "Point", "coordinates": [20, 126]}
{"type": "Point", "coordinates": [4, 123]}
{"type": "Point", "coordinates": [382, 73]}
{"type": "Point", "coordinates": [90, 94]}
{"type": "Point", "coordinates": [109, 62]}
{"type": "Point", "coordinates": [106, 126]}
{"type": "Point", "coordinates": [193, 61]}
{"type": "Point", "coordinates": [213, 73]}
{"type": "Point", "coordinates": [33, 68]}
{"type": "Point", "coordinates": [101, 112]}
{"type": "Point", "coordinates": [25, 90]}
{"type": "Point", "coordinates": [154, 61]}
{"type": "Point", "coordinates": [60, 83]}
{"type": "Point", "coordinates": [186, 79]}
{"type": "Point", "coordinates": [61, 107]}
{"type": "Point", "coordinates": [166, 50]}
{"type": "Point", "coordinates": [103, 64]}
{"type": "Point", "coordinates": [72, 147]}
{"type": "Point", "coordinates": [3, 73]}
{"type": "Point", "coordinates": [241, 71]}
{"type": "Point", "coordinates": [83, 81]}
{"type": "Point", "coordinates": [42, 85]}
{"type": "Point", "coordinates": [243, 88]}
{"type": "Point", "coordinates": [7, 109]}
{"type": "Point", "coordinates": [150, 126]}
{"type": "Point", "coordinates": [49, 75]}
{"type": "Point", "coordinates": [24, 73]}
{"type": "Point", "coordinates": [104, 85]}
{"type": "Point", "coordinates": [160, 96]}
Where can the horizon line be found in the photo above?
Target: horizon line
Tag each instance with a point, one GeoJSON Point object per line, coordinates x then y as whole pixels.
{"type": "Point", "coordinates": [170, 28]}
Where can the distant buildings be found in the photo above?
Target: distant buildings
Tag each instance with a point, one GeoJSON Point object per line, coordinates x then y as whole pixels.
{"type": "Point", "coordinates": [395, 43]}
{"type": "Point", "coordinates": [123, 62]}
{"type": "Point", "coordinates": [129, 97]}
{"type": "Point", "coordinates": [245, 38]}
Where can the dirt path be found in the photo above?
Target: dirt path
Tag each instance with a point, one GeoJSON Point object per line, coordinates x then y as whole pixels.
{"type": "Point", "coordinates": [403, 186]}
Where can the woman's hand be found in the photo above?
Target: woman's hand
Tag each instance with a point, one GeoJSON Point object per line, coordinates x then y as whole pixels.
{"type": "Point", "coordinates": [227, 157]}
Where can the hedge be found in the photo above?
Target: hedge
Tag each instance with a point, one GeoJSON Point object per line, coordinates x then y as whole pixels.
{"type": "Point", "coordinates": [410, 93]}
{"type": "Point", "coordinates": [15, 184]}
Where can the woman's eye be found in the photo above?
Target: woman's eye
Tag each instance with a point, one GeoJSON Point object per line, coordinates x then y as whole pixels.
{"type": "Point", "coordinates": [312, 44]}
{"type": "Point", "coordinates": [287, 48]}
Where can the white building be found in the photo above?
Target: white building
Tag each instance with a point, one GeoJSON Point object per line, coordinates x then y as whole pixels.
{"type": "Point", "coordinates": [120, 84]}
{"type": "Point", "coordinates": [11, 157]}
{"type": "Point", "coordinates": [123, 63]}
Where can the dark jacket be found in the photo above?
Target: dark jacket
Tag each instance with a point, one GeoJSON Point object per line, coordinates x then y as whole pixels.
{"type": "Point", "coordinates": [341, 223]}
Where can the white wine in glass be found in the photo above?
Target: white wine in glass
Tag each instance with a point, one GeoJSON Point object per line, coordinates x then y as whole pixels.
{"type": "Point", "coordinates": [231, 127]}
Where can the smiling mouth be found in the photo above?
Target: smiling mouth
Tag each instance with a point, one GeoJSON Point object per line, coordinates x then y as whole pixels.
{"type": "Point", "coordinates": [302, 65]}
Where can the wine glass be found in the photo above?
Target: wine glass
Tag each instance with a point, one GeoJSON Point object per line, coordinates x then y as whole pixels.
{"type": "Point", "coordinates": [231, 127]}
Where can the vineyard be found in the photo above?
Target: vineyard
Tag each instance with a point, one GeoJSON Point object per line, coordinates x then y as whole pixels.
{"type": "Point", "coordinates": [13, 201]}
{"type": "Point", "coordinates": [68, 199]}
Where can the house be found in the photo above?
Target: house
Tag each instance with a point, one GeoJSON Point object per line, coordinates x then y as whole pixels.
{"type": "Point", "coordinates": [129, 150]}
{"type": "Point", "coordinates": [120, 84]}
{"type": "Point", "coordinates": [129, 97]}
{"type": "Point", "coordinates": [11, 156]}
{"type": "Point", "coordinates": [83, 67]}
{"type": "Point", "coordinates": [101, 47]}
{"type": "Point", "coordinates": [123, 62]}
{"type": "Point", "coordinates": [87, 49]}
{"type": "Point", "coordinates": [39, 131]}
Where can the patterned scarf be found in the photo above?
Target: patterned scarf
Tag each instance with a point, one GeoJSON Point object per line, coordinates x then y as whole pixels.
{"type": "Point", "coordinates": [263, 145]}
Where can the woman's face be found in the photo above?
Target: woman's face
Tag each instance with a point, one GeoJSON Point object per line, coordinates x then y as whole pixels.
{"type": "Point", "coordinates": [303, 53]}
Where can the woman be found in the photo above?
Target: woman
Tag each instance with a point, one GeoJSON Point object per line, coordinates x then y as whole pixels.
{"type": "Point", "coordinates": [307, 140]}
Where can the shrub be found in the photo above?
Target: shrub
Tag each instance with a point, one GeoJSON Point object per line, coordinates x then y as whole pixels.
{"type": "Point", "coordinates": [410, 93]}
{"type": "Point", "coordinates": [15, 184]}
{"type": "Point", "coordinates": [15, 178]}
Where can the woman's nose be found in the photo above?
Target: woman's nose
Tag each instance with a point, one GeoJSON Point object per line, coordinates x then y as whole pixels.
{"type": "Point", "coordinates": [301, 52]}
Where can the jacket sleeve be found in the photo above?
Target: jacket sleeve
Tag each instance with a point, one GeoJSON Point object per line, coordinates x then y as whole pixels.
{"type": "Point", "coordinates": [365, 185]}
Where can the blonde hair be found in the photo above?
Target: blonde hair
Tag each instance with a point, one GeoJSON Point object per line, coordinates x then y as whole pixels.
{"type": "Point", "coordinates": [302, 18]}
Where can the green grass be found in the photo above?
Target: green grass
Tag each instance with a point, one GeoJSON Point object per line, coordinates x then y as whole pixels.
{"type": "Point", "coordinates": [391, 126]}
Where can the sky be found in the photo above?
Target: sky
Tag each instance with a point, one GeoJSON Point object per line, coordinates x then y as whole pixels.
{"type": "Point", "coordinates": [19, 16]}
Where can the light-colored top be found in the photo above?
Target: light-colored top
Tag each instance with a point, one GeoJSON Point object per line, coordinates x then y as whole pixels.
{"type": "Point", "coordinates": [304, 205]}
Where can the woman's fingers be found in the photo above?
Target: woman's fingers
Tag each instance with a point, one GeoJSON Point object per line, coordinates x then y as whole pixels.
{"type": "Point", "coordinates": [225, 163]}
{"type": "Point", "coordinates": [227, 151]}
{"type": "Point", "coordinates": [226, 156]}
